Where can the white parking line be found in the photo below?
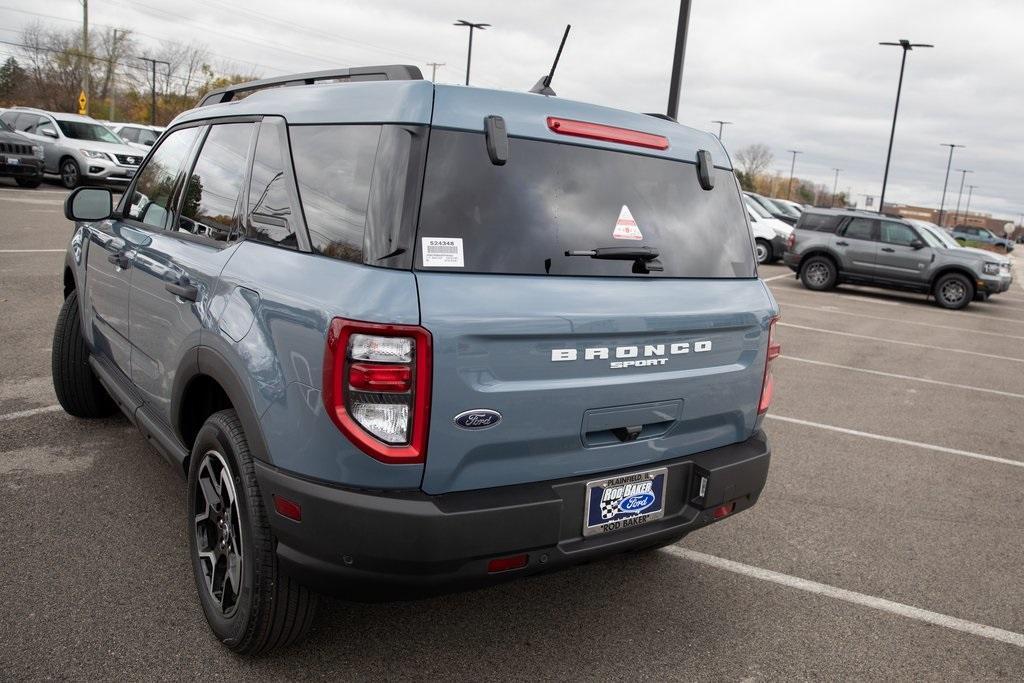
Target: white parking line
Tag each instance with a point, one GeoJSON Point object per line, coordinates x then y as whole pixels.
{"type": "Point", "coordinates": [902, 442]}
{"type": "Point", "coordinates": [903, 343]}
{"type": "Point", "coordinates": [833, 309]}
{"type": "Point", "coordinates": [29, 413]}
{"type": "Point", "coordinates": [909, 378]}
{"type": "Point", "coordinates": [862, 599]}
{"type": "Point", "coordinates": [32, 200]}
{"type": "Point", "coordinates": [30, 251]}
{"type": "Point", "coordinates": [840, 295]}
{"type": "Point", "coordinates": [776, 277]}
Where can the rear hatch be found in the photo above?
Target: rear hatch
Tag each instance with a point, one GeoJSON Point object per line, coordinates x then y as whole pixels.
{"type": "Point", "coordinates": [593, 364]}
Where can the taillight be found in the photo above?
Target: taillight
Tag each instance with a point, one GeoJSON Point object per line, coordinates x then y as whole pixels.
{"type": "Point", "coordinates": [768, 384]}
{"type": "Point", "coordinates": [597, 131]}
{"type": "Point", "coordinates": [377, 387]}
{"type": "Point", "coordinates": [791, 240]}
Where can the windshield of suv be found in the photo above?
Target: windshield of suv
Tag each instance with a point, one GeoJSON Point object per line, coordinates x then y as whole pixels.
{"type": "Point", "coordinates": [939, 235]}
{"type": "Point", "coordinates": [83, 130]}
{"type": "Point", "coordinates": [552, 198]}
{"type": "Point", "coordinates": [756, 208]}
{"type": "Point", "coordinates": [785, 208]}
{"type": "Point", "coordinates": [5, 127]}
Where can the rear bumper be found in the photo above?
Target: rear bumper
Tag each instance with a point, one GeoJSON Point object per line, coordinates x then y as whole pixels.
{"type": "Point", "coordinates": [351, 537]}
{"type": "Point", "coordinates": [792, 260]}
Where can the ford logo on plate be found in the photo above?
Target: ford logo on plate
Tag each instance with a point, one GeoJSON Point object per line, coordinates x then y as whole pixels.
{"type": "Point", "coordinates": [636, 503]}
{"type": "Point", "coordinates": [481, 418]}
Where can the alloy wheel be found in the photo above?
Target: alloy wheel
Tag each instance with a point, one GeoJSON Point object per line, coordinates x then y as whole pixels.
{"type": "Point", "coordinates": [761, 252]}
{"type": "Point", "coordinates": [953, 292]}
{"type": "Point", "coordinates": [817, 274]}
{"type": "Point", "coordinates": [69, 174]}
{"type": "Point", "coordinates": [218, 532]}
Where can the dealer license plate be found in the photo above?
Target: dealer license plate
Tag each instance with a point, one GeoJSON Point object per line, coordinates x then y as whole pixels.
{"type": "Point", "coordinates": [625, 501]}
{"type": "Point", "coordinates": [11, 161]}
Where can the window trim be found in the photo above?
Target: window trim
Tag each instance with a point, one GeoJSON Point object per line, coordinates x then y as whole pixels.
{"type": "Point", "coordinates": [279, 126]}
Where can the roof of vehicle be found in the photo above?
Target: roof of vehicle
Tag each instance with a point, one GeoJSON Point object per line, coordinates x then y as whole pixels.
{"type": "Point", "coordinates": [63, 116]}
{"type": "Point", "coordinates": [854, 212]}
{"type": "Point", "coordinates": [458, 107]}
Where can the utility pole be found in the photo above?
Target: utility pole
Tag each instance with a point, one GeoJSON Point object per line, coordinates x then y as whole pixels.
{"type": "Point", "coordinates": [153, 62]}
{"type": "Point", "coordinates": [85, 55]}
{"type": "Point", "coordinates": [469, 54]}
{"type": "Point", "coordinates": [676, 84]}
{"type": "Point", "coordinates": [433, 66]}
{"type": "Point", "coordinates": [942, 204]}
{"type": "Point", "coordinates": [967, 211]}
{"type": "Point", "coordinates": [907, 47]}
{"type": "Point", "coordinates": [113, 81]}
{"type": "Point", "coordinates": [721, 125]}
{"type": "Point", "coordinates": [792, 166]}
{"type": "Point", "coordinates": [963, 175]}
{"type": "Point", "coordinates": [835, 184]}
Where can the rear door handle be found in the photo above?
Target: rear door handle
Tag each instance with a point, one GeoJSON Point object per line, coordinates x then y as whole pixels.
{"type": "Point", "coordinates": [119, 259]}
{"type": "Point", "coordinates": [841, 243]}
{"type": "Point", "coordinates": [183, 288]}
{"type": "Point", "coordinates": [888, 249]}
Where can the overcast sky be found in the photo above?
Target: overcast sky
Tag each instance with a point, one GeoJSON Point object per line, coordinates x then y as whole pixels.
{"type": "Point", "coordinates": [790, 74]}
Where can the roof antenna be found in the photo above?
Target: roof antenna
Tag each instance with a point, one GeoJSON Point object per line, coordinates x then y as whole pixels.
{"type": "Point", "coordinates": [543, 86]}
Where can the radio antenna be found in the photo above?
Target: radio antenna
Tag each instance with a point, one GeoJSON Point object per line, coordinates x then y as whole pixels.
{"type": "Point", "coordinates": [543, 86]}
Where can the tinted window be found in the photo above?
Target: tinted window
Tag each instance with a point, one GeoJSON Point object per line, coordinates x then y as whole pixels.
{"type": "Point", "coordinates": [897, 233]}
{"type": "Point", "coordinates": [821, 222]}
{"type": "Point", "coordinates": [271, 218]}
{"type": "Point", "coordinates": [146, 136]}
{"type": "Point", "coordinates": [333, 168]}
{"type": "Point", "coordinates": [860, 229]}
{"type": "Point", "coordinates": [83, 130]}
{"type": "Point", "coordinates": [552, 198]}
{"type": "Point", "coordinates": [151, 199]}
{"type": "Point", "coordinates": [210, 205]}
{"type": "Point", "coordinates": [130, 134]}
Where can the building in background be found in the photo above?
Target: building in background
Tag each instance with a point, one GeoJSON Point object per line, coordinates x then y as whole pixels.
{"type": "Point", "coordinates": [975, 219]}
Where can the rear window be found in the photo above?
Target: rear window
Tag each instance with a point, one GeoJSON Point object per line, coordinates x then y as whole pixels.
{"type": "Point", "coordinates": [550, 198]}
{"type": "Point", "coordinates": [821, 222]}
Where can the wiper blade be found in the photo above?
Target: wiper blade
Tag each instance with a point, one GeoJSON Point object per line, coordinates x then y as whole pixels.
{"type": "Point", "coordinates": [618, 253]}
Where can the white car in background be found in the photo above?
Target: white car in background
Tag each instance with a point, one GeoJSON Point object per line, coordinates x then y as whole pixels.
{"type": "Point", "coordinates": [770, 234]}
{"type": "Point", "coordinates": [793, 205]}
{"type": "Point", "coordinates": [138, 135]}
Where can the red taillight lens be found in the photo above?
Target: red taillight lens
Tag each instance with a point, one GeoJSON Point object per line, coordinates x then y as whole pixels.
{"type": "Point", "coordinates": [768, 385]}
{"type": "Point", "coordinates": [376, 387]}
{"type": "Point", "coordinates": [791, 240]}
{"type": "Point", "coordinates": [597, 131]}
{"type": "Point", "coordinates": [504, 564]}
{"type": "Point", "coordinates": [723, 510]}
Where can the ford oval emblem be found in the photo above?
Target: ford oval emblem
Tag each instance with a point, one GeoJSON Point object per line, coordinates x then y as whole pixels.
{"type": "Point", "coordinates": [636, 503]}
{"type": "Point", "coordinates": [481, 418]}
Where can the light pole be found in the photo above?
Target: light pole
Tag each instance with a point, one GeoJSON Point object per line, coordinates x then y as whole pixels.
{"type": "Point", "coordinates": [469, 54]}
{"type": "Point", "coordinates": [433, 66]}
{"type": "Point", "coordinates": [792, 167]}
{"type": "Point", "coordinates": [835, 184]}
{"type": "Point", "coordinates": [963, 175]}
{"type": "Point", "coordinates": [676, 84]}
{"type": "Point", "coordinates": [942, 204]}
{"type": "Point", "coordinates": [153, 63]}
{"type": "Point", "coordinates": [967, 210]}
{"type": "Point", "coordinates": [907, 46]}
{"type": "Point", "coordinates": [721, 125]}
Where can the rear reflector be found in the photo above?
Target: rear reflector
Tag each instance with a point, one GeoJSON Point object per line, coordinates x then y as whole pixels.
{"type": "Point", "coordinates": [504, 564]}
{"type": "Point", "coordinates": [389, 378]}
{"type": "Point", "coordinates": [288, 508]}
{"type": "Point", "coordinates": [723, 510]}
{"type": "Point", "coordinates": [597, 131]}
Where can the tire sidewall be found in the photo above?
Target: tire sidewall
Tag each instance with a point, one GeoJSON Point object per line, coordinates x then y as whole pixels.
{"type": "Point", "coordinates": [230, 630]}
{"type": "Point", "coordinates": [829, 284]}
{"type": "Point", "coordinates": [78, 174]}
{"type": "Point", "coordinates": [763, 244]}
{"type": "Point", "coordinates": [968, 296]}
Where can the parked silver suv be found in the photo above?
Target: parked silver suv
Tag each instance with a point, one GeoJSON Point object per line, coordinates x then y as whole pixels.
{"type": "Point", "coordinates": [829, 247]}
{"type": "Point", "coordinates": [77, 148]}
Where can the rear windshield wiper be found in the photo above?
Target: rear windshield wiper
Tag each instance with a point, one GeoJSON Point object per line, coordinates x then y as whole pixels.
{"type": "Point", "coordinates": [645, 259]}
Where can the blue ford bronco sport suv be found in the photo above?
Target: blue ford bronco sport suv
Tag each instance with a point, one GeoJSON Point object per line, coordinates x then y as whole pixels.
{"type": "Point", "coordinates": [410, 334]}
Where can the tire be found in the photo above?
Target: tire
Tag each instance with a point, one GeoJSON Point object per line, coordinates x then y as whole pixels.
{"type": "Point", "coordinates": [28, 182]}
{"type": "Point", "coordinates": [70, 174]}
{"type": "Point", "coordinates": [763, 251]}
{"type": "Point", "coordinates": [819, 273]}
{"type": "Point", "coordinates": [953, 291]}
{"type": "Point", "coordinates": [227, 526]}
{"type": "Point", "coordinates": [78, 390]}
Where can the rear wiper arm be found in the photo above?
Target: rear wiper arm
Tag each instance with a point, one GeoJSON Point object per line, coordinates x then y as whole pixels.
{"type": "Point", "coordinates": [645, 259]}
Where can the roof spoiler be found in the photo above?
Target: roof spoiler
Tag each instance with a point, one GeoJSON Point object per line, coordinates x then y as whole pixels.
{"type": "Point", "coordinates": [390, 72]}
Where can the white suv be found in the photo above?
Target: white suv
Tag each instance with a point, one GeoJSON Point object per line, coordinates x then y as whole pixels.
{"type": "Point", "coordinates": [75, 147]}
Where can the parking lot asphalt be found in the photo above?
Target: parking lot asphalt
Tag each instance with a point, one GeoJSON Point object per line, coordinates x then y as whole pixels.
{"type": "Point", "coordinates": [887, 544]}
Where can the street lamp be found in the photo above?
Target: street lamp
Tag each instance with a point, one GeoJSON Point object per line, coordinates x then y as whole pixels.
{"type": "Point", "coordinates": [907, 46]}
{"type": "Point", "coordinates": [963, 175]}
{"type": "Point", "coordinates": [942, 204]}
{"type": "Point", "coordinates": [469, 54]}
{"type": "Point", "coordinates": [721, 125]}
{"type": "Point", "coordinates": [792, 166]}
{"type": "Point", "coordinates": [970, 191]}
{"type": "Point", "coordinates": [835, 184]}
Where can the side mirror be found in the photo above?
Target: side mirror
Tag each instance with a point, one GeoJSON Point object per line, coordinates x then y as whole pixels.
{"type": "Point", "coordinates": [48, 132]}
{"type": "Point", "coordinates": [89, 204]}
{"type": "Point", "coordinates": [917, 244]}
{"type": "Point", "coordinates": [148, 143]}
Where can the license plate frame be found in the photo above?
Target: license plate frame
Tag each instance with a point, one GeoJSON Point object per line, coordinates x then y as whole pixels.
{"type": "Point", "coordinates": [643, 491]}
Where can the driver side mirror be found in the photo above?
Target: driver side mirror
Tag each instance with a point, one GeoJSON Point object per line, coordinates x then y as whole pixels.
{"type": "Point", "coordinates": [148, 143]}
{"type": "Point", "coordinates": [917, 244]}
{"type": "Point", "coordinates": [89, 204]}
{"type": "Point", "coordinates": [48, 132]}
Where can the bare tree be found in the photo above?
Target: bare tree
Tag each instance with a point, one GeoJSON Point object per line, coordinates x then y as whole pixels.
{"type": "Point", "coordinates": [753, 160]}
{"type": "Point", "coordinates": [114, 47]}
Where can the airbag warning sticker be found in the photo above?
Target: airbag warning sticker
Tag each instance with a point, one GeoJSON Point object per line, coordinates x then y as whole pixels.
{"type": "Point", "coordinates": [442, 252]}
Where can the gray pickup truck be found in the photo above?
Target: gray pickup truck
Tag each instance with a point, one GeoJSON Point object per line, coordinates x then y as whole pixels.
{"type": "Point", "coordinates": [829, 247]}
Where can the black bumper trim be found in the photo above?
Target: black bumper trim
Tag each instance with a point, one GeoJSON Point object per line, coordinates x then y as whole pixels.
{"type": "Point", "coordinates": [351, 537]}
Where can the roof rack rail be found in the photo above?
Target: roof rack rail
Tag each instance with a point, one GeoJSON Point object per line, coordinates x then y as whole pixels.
{"type": "Point", "coordinates": [389, 72]}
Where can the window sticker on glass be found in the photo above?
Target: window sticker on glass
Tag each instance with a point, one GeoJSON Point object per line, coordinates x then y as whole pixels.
{"type": "Point", "coordinates": [442, 252]}
{"type": "Point", "coordinates": [626, 227]}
